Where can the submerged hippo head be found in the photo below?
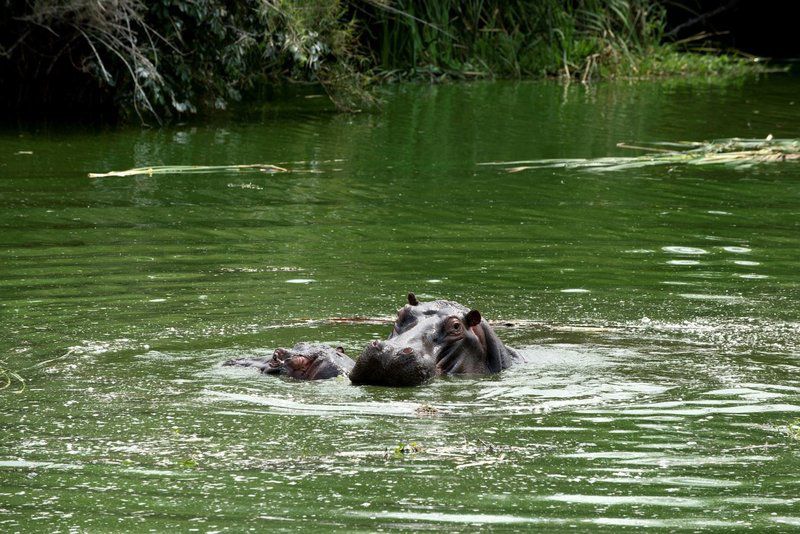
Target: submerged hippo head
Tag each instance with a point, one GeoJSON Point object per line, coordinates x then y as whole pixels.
{"type": "Point", "coordinates": [304, 361]}
{"type": "Point", "coordinates": [433, 338]}
{"type": "Point", "coordinates": [384, 363]}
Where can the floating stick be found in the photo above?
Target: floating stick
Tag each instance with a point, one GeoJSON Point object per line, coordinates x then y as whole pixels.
{"type": "Point", "coordinates": [188, 169]}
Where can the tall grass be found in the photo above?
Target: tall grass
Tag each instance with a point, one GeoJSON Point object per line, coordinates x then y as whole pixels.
{"type": "Point", "coordinates": [514, 38]}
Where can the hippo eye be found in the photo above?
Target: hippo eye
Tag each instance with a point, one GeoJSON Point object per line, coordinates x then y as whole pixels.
{"type": "Point", "coordinates": [457, 327]}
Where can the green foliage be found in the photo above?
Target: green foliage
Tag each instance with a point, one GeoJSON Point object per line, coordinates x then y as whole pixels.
{"type": "Point", "coordinates": [177, 56]}
{"type": "Point", "coordinates": [517, 37]}
{"type": "Point", "coordinates": [579, 39]}
{"type": "Point", "coordinates": [173, 57]}
{"type": "Point", "coordinates": [668, 61]}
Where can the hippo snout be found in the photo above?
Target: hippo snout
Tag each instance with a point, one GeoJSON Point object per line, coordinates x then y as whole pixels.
{"type": "Point", "coordinates": [387, 364]}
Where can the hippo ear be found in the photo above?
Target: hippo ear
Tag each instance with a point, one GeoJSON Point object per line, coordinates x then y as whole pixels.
{"type": "Point", "coordinates": [473, 318]}
{"type": "Point", "coordinates": [340, 350]}
{"type": "Point", "coordinates": [412, 299]}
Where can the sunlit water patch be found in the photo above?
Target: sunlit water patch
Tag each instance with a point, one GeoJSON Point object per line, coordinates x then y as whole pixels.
{"type": "Point", "coordinates": [690, 251]}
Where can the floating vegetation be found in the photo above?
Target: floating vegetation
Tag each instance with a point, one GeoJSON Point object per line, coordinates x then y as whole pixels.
{"type": "Point", "coordinates": [426, 410]}
{"type": "Point", "coordinates": [67, 354]}
{"type": "Point", "coordinates": [735, 152]}
{"type": "Point", "coordinates": [246, 186]}
{"type": "Point", "coordinates": [190, 169]}
{"type": "Point", "coordinates": [8, 378]}
{"type": "Point", "coordinates": [266, 269]}
{"type": "Point", "coordinates": [794, 429]}
{"type": "Point", "coordinates": [188, 463]}
{"type": "Point", "coordinates": [403, 449]}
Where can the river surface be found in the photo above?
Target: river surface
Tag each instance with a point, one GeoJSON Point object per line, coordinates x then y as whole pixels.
{"type": "Point", "coordinates": [658, 308]}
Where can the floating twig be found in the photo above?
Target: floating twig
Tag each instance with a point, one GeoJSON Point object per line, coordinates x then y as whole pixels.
{"type": "Point", "coordinates": [647, 148]}
{"type": "Point", "coordinates": [8, 377]}
{"type": "Point", "coordinates": [70, 352]}
{"type": "Point", "coordinates": [189, 169]}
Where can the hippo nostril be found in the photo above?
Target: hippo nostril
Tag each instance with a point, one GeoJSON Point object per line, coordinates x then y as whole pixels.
{"type": "Point", "coordinates": [408, 350]}
{"type": "Point", "coordinates": [377, 344]}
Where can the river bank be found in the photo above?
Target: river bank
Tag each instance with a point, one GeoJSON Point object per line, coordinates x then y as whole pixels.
{"type": "Point", "coordinates": [151, 62]}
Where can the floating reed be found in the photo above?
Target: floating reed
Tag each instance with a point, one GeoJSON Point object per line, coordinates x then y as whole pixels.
{"type": "Point", "coordinates": [8, 377]}
{"type": "Point", "coordinates": [190, 169]}
{"type": "Point", "coordinates": [735, 152]}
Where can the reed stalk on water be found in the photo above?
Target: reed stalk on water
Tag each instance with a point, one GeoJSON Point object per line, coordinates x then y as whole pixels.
{"type": "Point", "coordinates": [190, 169]}
{"type": "Point", "coordinates": [734, 152]}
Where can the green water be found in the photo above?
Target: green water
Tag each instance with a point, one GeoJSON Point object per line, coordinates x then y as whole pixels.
{"type": "Point", "coordinates": [658, 309]}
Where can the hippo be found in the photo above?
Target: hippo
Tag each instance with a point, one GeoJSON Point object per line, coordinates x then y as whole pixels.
{"type": "Point", "coordinates": [304, 361]}
{"type": "Point", "coordinates": [431, 339]}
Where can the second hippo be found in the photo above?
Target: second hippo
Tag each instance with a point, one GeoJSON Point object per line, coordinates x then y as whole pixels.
{"type": "Point", "coordinates": [304, 361]}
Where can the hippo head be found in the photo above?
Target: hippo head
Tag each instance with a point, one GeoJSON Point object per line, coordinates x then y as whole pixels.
{"type": "Point", "coordinates": [306, 361]}
{"type": "Point", "coordinates": [429, 339]}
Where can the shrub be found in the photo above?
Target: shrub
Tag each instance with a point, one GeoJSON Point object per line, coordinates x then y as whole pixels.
{"type": "Point", "coordinates": [174, 56]}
